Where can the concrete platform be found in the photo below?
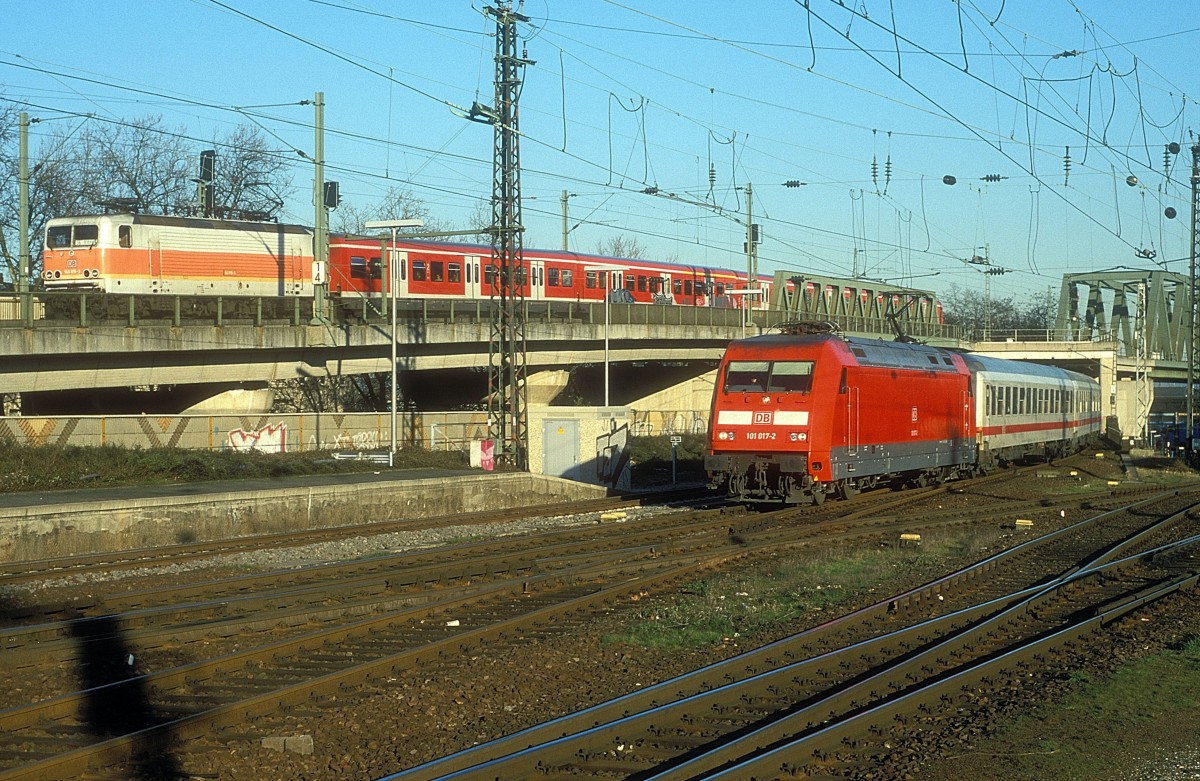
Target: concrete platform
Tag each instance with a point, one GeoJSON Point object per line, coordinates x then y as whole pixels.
{"type": "Point", "coordinates": [65, 523]}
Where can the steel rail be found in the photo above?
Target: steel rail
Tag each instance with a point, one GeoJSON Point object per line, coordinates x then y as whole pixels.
{"type": "Point", "coordinates": [510, 757]}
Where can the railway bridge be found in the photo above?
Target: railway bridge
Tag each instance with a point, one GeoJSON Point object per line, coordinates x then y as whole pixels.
{"type": "Point", "coordinates": [1124, 328]}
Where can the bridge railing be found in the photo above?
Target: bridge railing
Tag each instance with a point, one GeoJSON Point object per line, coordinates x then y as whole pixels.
{"type": "Point", "coordinates": [83, 310]}
{"type": "Point", "coordinates": [1039, 335]}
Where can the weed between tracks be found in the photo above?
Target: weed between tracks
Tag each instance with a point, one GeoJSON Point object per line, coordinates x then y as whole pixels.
{"type": "Point", "coordinates": [1103, 730]}
{"type": "Point", "coordinates": [805, 585]}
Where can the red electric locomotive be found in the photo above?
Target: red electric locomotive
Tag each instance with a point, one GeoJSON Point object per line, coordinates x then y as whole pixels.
{"type": "Point", "coordinates": [807, 413]}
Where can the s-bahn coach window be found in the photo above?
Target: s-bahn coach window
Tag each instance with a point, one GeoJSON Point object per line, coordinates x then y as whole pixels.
{"type": "Point", "coordinates": [418, 271]}
{"type": "Point", "coordinates": [453, 272]}
{"type": "Point", "coordinates": [358, 267]}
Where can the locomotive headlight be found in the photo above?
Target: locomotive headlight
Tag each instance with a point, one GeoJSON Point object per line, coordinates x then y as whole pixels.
{"type": "Point", "coordinates": [766, 399]}
{"type": "Point", "coordinates": [798, 436]}
{"type": "Point", "coordinates": [86, 273]}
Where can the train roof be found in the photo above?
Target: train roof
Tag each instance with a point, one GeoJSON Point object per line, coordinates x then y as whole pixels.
{"type": "Point", "coordinates": [988, 363]}
{"type": "Point", "coordinates": [867, 352]}
{"type": "Point", "coordinates": [167, 220]}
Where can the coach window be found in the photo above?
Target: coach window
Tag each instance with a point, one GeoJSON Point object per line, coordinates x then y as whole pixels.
{"type": "Point", "coordinates": [376, 266]}
{"type": "Point", "coordinates": [125, 236]}
{"type": "Point", "coordinates": [1008, 399]}
{"type": "Point", "coordinates": [568, 278]}
{"type": "Point", "coordinates": [790, 377]}
{"type": "Point", "coordinates": [453, 273]}
{"type": "Point", "coordinates": [630, 285]}
{"type": "Point", "coordinates": [489, 274]}
{"type": "Point", "coordinates": [551, 277]}
{"type": "Point", "coordinates": [522, 275]}
{"type": "Point", "coordinates": [677, 287]}
{"type": "Point", "coordinates": [437, 271]}
{"type": "Point", "coordinates": [687, 287]}
{"type": "Point", "coordinates": [746, 376]}
{"type": "Point", "coordinates": [358, 267]}
{"type": "Point", "coordinates": [418, 271]}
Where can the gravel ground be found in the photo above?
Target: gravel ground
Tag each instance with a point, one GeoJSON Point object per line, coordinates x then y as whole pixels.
{"type": "Point", "coordinates": [418, 716]}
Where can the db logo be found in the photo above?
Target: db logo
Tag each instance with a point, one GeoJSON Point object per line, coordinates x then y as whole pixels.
{"type": "Point", "coordinates": [762, 417]}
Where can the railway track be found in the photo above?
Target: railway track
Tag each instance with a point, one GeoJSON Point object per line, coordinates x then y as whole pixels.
{"type": "Point", "coordinates": [268, 649]}
{"type": "Point", "coordinates": [817, 701]}
{"type": "Point", "coordinates": [18, 572]}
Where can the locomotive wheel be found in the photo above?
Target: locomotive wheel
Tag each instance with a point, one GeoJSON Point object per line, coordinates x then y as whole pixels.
{"type": "Point", "coordinates": [848, 489]}
{"type": "Point", "coordinates": [737, 485]}
{"type": "Point", "coordinates": [818, 494]}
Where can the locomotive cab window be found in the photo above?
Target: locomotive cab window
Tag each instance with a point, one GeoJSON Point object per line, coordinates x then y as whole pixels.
{"type": "Point", "coordinates": [125, 236]}
{"type": "Point", "coordinates": [72, 236]}
{"type": "Point", "coordinates": [746, 376]}
{"type": "Point", "coordinates": [769, 377]}
{"type": "Point", "coordinates": [790, 377]}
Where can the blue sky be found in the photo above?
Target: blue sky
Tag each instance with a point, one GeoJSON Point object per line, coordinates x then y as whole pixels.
{"type": "Point", "coordinates": [870, 108]}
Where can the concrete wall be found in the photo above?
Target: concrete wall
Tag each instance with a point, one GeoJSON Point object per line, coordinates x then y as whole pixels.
{"type": "Point", "coordinates": [118, 519]}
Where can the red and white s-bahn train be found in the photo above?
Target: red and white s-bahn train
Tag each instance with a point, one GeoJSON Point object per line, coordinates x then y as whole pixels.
{"type": "Point", "coordinates": [805, 414]}
{"type": "Point", "coordinates": [185, 256]}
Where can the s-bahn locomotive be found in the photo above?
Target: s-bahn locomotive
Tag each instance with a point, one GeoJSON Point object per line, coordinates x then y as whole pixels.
{"type": "Point", "coordinates": [807, 413]}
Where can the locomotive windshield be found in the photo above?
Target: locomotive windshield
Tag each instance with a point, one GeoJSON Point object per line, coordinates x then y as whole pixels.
{"type": "Point", "coordinates": [768, 376]}
{"type": "Point", "coordinates": [61, 235]}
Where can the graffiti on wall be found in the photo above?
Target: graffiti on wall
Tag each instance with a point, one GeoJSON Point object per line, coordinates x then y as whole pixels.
{"type": "Point", "coordinates": [649, 422]}
{"type": "Point", "coordinates": [612, 458]}
{"type": "Point", "coordinates": [267, 439]}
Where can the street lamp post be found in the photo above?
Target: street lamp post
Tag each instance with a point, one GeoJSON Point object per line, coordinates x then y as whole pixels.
{"type": "Point", "coordinates": [607, 288]}
{"type": "Point", "coordinates": [392, 225]}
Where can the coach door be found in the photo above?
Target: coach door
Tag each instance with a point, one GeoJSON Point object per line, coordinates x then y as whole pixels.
{"type": "Point", "coordinates": [398, 266]}
{"type": "Point", "coordinates": [154, 245]}
{"type": "Point", "coordinates": [535, 272]}
{"type": "Point", "coordinates": [473, 283]}
{"type": "Point", "coordinates": [852, 423]}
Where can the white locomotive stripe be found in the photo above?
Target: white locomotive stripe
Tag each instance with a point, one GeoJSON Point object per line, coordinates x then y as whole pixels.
{"type": "Point", "coordinates": [733, 417]}
{"type": "Point", "coordinates": [791, 418]}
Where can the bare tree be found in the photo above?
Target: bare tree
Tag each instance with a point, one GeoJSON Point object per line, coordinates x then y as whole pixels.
{"type": "Point", "coordinates": [396, 204]}
{"type": "Point", "coordinates": [621, 247]}
{"type": "Point", "coordinates": [140, 164]}
{"type": "Point", "coordinates": [53, 190]}
{"type": "Point", "coordinates": [250, 176]}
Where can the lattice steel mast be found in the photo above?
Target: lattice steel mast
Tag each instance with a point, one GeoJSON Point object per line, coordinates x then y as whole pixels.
{"type": "Point", "coordinates": [508, 419]}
